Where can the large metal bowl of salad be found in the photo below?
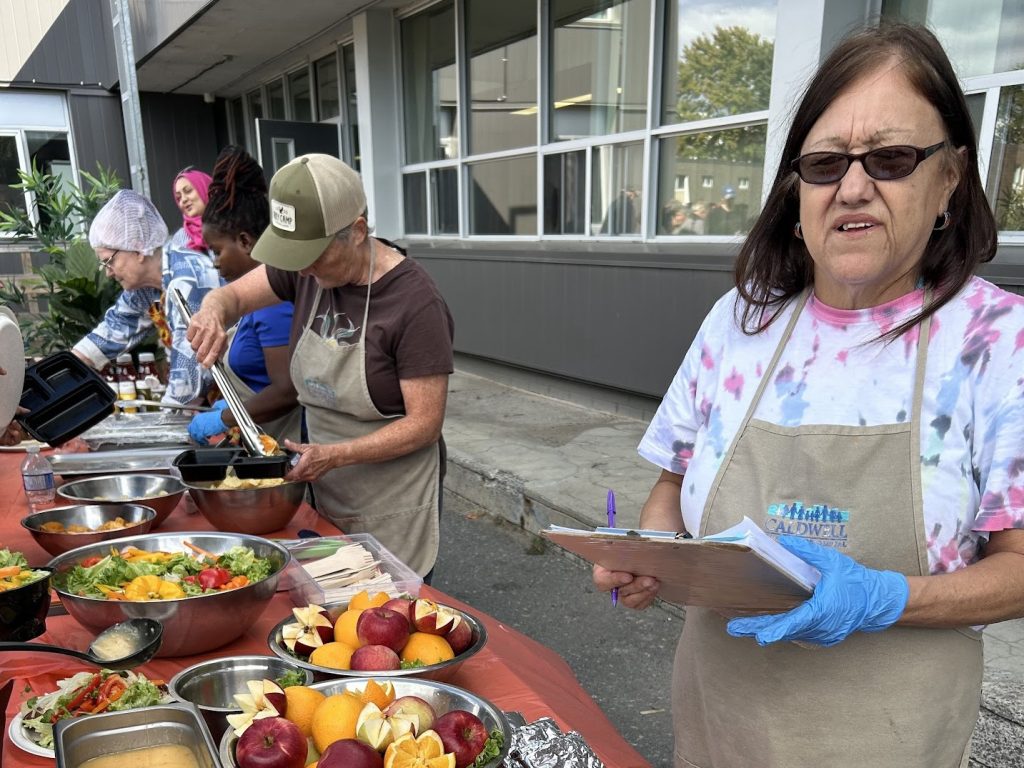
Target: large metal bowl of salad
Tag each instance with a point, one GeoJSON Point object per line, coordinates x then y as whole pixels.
{"type": "Point", "coordinates": [206, 588]}
{"type": "Point", "coordinates": [24, 597]}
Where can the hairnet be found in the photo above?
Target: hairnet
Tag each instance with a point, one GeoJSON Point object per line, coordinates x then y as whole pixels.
{"type": "Point", "coordinates": [128, 222]}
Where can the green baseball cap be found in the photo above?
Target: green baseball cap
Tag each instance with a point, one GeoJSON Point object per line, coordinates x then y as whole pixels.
{"type": "Point", "coordinates": [312, 198]}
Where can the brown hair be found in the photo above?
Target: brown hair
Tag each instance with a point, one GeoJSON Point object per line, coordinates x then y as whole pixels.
{"type": "Point", "coordinates": [773, 265]}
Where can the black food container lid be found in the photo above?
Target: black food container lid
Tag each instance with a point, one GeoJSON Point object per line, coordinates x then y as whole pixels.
{"type": "Point", "coordinates": [64, 397]}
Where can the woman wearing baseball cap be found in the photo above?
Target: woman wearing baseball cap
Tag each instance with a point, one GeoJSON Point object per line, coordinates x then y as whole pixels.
{"type": "Point", "coordinates": [371, 343]}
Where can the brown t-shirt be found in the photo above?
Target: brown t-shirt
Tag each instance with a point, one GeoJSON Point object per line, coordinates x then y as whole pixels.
{"type": "Point", "coordinates": [410, 328]}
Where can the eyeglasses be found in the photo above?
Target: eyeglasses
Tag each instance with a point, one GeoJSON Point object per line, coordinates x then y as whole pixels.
{"type": "Point", "coordinates": [883, 164]}
{"type": "Point", "coordinates": [105, 263]}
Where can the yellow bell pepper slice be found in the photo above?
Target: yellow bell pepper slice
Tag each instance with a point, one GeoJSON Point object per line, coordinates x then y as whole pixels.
{"type": "Point", "coordinates": [152, 588]}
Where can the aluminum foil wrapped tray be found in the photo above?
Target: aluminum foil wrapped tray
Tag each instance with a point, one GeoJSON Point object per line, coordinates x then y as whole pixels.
{"type": "Point", "coordinates": [125, 430]}
{"type": "Point", "coordinates": [541, 744]}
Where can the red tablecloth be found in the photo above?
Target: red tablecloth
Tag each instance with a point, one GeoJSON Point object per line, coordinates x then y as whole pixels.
{"type": "Point", "coordinates": [512, 671]}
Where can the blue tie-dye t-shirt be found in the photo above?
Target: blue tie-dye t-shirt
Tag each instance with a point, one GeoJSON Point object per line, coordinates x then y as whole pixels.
{"type": "Point", "coordinates": [832, 372]}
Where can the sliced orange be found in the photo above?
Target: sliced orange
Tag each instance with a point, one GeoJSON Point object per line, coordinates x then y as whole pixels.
{"type": "Point", "coordinates": [362, 600]}
{"type": "Point", "coordinates": [423, 751]}
{"type": "Point", "coordinates": [380, 694]}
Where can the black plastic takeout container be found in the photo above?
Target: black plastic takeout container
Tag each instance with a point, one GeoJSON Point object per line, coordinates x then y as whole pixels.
{"type": "Point", "coordinates": [210, 465]}
{"type": "Point", "coordinates": [64, 397]}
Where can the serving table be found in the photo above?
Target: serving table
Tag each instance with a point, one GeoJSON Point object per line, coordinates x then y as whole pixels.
{"type": "Point", "coordinates": [512, 671]}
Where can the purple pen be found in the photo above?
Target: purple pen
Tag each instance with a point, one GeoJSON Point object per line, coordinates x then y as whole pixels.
{"type": "Point", "coordinates": [611, 524]}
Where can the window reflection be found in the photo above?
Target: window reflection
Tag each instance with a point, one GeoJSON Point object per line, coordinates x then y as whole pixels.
{"type": "Point", "coordinates": [599, 62]}
{"type": "Point", "coordinates": [446, 201]}
{"type": "Point", "coordinates": [718, 58]}
{"type": "Point", "coordinates": [565, 179]}
{"type": "Point", "coordinates": [236, 114]}
{"type": "Point", "coordinates": [503, 197]}
{"type": "Point", "coordinates": [348, 60]}
{"type": "Point", "coordinates": [502, 46]}
{"type": "Point", "coordinates": [415, 197]}
{"type": "Point", "coordinates": [730, 166]}
{"type": "Point", "coordinates": [1006, 174]}
{"type": "Point", "coordinates": [275, 100]}
{"type": "Point", "coordinates": [298, 92]}
{"type": "Point", "coordinates": [9, 198]}
{"type": "Point", "coordinates": [617, 177]}
{"type": "Point", "coordinates": [327, 105]}
{"type": "Point", "coordinates": [429, 85]}
{"type": "Point", "coordinates": [50, 153]}
{"type": "Point", "coordinates": [992, 41]}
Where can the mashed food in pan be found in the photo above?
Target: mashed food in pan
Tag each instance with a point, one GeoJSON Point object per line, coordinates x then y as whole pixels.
{"type": "Point", "coordinates": [233, 482]}
{"type": "Point", "coordinates": [163, 756]}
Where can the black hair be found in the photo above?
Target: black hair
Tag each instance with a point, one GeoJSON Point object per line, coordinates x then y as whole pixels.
{"type": "Point", "coordinates": [238, 195]}
{"type": "Point", "coordinates": [773, 265]}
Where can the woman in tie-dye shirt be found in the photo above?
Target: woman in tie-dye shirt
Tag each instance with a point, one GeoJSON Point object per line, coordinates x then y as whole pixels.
{"type": "Point", "coordinates": [859, 391]}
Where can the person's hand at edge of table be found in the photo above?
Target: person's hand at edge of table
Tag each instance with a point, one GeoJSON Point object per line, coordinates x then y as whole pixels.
{"type": "Point", "coordinates": [314, 460]}
{"type": "Point", "coordinates": [849, 598]}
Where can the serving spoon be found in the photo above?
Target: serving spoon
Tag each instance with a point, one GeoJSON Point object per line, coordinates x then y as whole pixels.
{"type": "Point", "coordinates": [121, 646]}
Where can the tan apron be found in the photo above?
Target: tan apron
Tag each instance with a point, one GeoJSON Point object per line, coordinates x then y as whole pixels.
{"type": "Point", "coordinates": [906, 697]}
{"type": "Point", "coordinates": [396, 500]}
{"type": "Point", "coordinates": [287, 426]}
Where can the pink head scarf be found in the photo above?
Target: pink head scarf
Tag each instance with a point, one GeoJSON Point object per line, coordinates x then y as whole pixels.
{"type": "Point", "coordinates": [194, 224]}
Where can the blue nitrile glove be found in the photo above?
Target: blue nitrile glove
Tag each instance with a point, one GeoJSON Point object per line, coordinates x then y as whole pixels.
{"type": "Point", "coordinates": [849, 598]}
{"type": "Point", "coordinates": [207, 424]}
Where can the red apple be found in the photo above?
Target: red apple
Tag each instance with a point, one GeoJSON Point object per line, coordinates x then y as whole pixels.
{"type": "Point", "coordinates": [350, 753]}
{"type": "Point", "coordinates": [400, 605]}
{"type": "Point", "coordinates": [415, 710]}
{"type": "Point", "coordinates": [271, 742]}
{"type": "Point", "coordinates": [381, 626]}
{"type": "Point", "coordinates": [375, 658]}
{"type": "Point", "coordinates": [460, 637]}
{"type": "Point", "coordinates": [434, 619]}
{"type": "Point", "coordinates": [463, 733]}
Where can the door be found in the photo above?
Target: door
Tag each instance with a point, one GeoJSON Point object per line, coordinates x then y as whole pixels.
{"type": "Point", "coordinates": [279, 141]}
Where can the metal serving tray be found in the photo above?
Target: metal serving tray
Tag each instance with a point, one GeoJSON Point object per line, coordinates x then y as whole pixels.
{"type": "Point", "coordinates": [114, 462]}
{"type": "Point", "coordinates": [84, 738]}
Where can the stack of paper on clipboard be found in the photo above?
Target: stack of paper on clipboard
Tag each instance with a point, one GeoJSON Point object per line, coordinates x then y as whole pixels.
{"type": "Point", "coordinates": [739, 569]}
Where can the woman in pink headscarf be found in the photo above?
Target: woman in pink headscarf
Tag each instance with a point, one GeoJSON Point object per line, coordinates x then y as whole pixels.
{"type": "Point", "coordinates": [191, 191]}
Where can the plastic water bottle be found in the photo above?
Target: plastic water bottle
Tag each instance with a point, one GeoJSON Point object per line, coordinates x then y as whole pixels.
{"type": "Point", "coordinates": [37, 477]}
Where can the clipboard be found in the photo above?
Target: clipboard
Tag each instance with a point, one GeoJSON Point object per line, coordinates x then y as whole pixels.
{"type": "Point", "coordinates": [723, 575]}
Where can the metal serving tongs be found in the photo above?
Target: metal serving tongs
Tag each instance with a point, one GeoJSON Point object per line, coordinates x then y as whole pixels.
{"type": "Point", "coordinates": [248, 428]}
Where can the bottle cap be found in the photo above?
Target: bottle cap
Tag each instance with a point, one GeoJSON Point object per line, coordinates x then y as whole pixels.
{"type": "Point", "coordinates": [147, 357]}
{"type": "Point", "coordinates": [33, 449]}
{"type": "Point", "coordinates": [125, 357]}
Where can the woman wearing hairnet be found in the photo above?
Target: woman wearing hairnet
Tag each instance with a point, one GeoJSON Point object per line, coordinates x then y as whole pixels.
{"type": "Point", "coordinates": [128, 235]}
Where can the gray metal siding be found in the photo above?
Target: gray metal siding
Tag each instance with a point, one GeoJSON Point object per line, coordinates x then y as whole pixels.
{"type": "Point", "coordinates": [98, 130]}
{"type": "Point", "coordinates": [77, 49]}
{"type": "Point", "coordinates": [621, 319]}
{"type": "Point", "coordinates": [180, 131]}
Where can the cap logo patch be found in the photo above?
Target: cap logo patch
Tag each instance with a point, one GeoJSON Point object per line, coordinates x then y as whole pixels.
{"type": "Point", "coordinates": [282, 216]}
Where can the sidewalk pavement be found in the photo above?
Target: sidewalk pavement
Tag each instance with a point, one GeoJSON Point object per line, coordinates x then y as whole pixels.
{"type": "Point", "coordinates": [535, 461]}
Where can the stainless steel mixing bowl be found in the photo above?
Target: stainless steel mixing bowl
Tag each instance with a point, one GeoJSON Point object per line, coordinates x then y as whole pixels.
{"type": "Point", "coordinates": [212, 684]}
{"type": "Point", "coordinates": [191, 624]}
{"type": "Point", "coordinates": [161, 492]}
{"type": "Point", "coordinates": [248, 510]}
{"type": "Point", "coordinates": [139, 520]}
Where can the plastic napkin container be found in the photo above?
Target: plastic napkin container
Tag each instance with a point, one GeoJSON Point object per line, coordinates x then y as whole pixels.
{"type": "Point", "coordinates": [64, 397]}
{"type": "Point", "coordinates": [303, 588]}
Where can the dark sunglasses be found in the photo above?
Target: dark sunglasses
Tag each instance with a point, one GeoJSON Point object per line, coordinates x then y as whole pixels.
{"type": "Point", "coordinates": [883, 164]}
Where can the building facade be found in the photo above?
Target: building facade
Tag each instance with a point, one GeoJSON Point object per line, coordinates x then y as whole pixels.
{"type": "Point", "coordinates": [575, 174]}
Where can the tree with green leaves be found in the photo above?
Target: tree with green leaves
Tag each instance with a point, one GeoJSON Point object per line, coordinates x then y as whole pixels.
{"type": "Point", "coordinates": [75, 291]}
{"type": "Point", "coordinates": [728, 73]}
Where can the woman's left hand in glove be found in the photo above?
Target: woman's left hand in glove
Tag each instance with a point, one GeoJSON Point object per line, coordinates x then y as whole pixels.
{"type": "Point", "coordinates": [205, 425]}
{"type": "Point", "coordinates": [849, 598]}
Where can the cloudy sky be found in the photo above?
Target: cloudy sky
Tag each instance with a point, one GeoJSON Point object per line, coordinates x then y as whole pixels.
{"type": "Point", "coordinates": [700, 17]}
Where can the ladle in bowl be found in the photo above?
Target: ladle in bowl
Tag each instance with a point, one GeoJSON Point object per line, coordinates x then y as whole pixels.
{"type": "Point", "coordinates": [121, 646]}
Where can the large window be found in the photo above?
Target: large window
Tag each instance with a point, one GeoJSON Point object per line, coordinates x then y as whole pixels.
{"type": "Point", "coordinates": [503, 197]}
{"type": "Point", "coordinates": [327, 100]}
{"type": "Point", "coordinates": [986, 46]}
{"type": "Point", "coordinates": [502, 50]}
{"type": "Point", "coordinates": [299, 96]}
{"type": "Point", "coordinates": [275, 100]}
{"type": "Point", "coordinates": [348, 60]}
{"type": "Point", "coordinates": [600, 55]}
{"type": "Point", "coordinates": [430, 85]}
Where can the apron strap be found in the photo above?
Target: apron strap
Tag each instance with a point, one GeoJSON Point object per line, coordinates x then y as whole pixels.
{"type": "Point", "coordinates": [916, 485]}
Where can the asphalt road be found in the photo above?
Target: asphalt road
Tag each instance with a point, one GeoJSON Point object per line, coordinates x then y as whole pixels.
{"type": "Point", "coordinates": [622, 658]}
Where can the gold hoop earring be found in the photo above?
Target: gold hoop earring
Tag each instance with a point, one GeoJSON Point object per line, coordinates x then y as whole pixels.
{"type": "Point", "coordinates": [798, 231]}
{"type": "Point", "coordinates": [946, 218]}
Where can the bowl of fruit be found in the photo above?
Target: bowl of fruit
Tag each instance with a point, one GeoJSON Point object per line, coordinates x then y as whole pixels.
{"type": "Point", "coordinates": [378, 635]}
{"type": "Point", "coordinates": [380, 722]}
